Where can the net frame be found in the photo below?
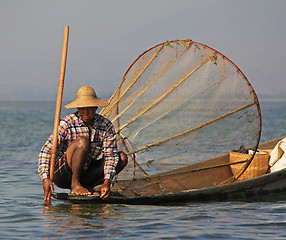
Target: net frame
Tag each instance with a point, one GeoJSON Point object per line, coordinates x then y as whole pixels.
{"type": "Point", "coordinates": [119, 94]}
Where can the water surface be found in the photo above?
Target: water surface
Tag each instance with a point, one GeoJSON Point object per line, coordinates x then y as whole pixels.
{"type": "Point", "coordinates": [26, 126]}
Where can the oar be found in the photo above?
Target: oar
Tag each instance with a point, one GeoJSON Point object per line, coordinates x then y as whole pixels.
{"type": "Point", "coordinates": [58, 107]}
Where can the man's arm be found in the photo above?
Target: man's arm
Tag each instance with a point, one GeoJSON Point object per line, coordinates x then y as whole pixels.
{"type": "Point", "coordinates": [44, 161]}
{"type": "Point", "coordinates": [43, 168]}
{"type": "Point", "coordinates": [111, 159]}
{"type": "Point", "coordinates": [110, 154]}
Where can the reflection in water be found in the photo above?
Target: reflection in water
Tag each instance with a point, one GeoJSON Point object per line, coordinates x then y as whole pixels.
{"type": "Point", "coordinates": [75, 216]}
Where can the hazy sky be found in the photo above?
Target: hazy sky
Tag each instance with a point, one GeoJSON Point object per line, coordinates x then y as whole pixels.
{"type": "Point", "coordinates": [107, 36]}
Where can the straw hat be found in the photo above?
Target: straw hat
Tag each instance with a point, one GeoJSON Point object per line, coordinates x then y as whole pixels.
{"type": "Point", "coordinates": [86, 97]}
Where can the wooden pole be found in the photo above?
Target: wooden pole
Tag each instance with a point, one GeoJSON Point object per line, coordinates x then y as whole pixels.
{"type": "Point", "coordinates": [58, 105]}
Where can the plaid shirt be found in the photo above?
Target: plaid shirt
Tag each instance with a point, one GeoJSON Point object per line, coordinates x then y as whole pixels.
{"type": "Point", "coordinates": [102, 143]}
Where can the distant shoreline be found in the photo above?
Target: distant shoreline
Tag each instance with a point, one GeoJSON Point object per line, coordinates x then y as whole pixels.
{"type": "Point", "coordinates": [260, 99]}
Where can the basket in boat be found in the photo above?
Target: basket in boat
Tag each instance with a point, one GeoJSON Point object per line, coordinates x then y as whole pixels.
{"type": "Point", "coordinates": [257, 167]}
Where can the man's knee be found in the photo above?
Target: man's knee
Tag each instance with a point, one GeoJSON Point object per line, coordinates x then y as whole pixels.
{"type": "Point", "coordinates": [123, 158]}
{"type": "Point", "coordinates": [81, 142]}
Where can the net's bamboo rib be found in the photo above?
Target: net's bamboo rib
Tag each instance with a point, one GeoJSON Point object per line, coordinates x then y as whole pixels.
{"type": "Point", "coordinates": [192, 129]}
{"type": "Point", "coordinates": [133, 82]}
{"type": "Point", "coordinates": [165, 94]}
{"type": "Point", "coordinates": [166, 113]}
{"type": "Point", "coordinates": [116, 92]}
{"type": "Point", "coordinates": [124, 77]}
{"type": "Point", "coordinates": [147, 87]}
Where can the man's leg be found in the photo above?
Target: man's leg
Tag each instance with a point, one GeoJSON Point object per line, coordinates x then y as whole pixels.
{"type": "Point", "coordinates": [97, 171]}
{"type": "Point", "coordinates": [77, 154]}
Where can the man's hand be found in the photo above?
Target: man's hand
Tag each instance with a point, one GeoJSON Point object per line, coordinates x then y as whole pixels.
{"type": "Point", "coordinates": [47, 187]}
{"type": "Point", "coordinates": [105, 189]}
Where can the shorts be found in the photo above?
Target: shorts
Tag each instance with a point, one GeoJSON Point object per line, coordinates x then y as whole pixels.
{"type": "Point", "coordinates": [90, 177]}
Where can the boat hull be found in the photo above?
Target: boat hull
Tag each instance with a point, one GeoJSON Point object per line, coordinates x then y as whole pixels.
{"type": "Point", "coordinates": [143, 191]}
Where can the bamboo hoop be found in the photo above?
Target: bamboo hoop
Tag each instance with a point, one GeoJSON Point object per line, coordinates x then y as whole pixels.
{"type": "Point", "coordinates": [59, 104]}
{"type": "Point", "coordinates": [139, 114]}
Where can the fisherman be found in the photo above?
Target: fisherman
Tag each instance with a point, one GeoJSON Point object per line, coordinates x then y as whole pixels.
{"type": "Point", "coordinates": [87, 149]}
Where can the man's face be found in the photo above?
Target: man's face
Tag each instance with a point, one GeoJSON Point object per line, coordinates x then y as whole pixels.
{"type": "Point", "coordinates": [87, 114]}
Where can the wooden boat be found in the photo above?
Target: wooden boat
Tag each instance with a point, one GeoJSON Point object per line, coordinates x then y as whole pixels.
{"type": "Point", "coordinates": [202, 185]}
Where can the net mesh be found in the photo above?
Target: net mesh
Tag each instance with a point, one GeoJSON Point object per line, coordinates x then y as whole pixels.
{"type": "Point", "coordinates": [182, 102]}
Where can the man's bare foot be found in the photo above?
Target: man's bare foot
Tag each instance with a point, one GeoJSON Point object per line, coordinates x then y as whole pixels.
{"type": "Point", "coordinates": [80, 190]}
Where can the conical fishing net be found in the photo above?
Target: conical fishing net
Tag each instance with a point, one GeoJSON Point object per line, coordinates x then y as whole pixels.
{"type": "Point", "coordinates": [182, 102]}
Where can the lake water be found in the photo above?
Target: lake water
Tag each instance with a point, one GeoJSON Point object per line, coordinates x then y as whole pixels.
{"type": "Point", "coordinates": [25, 127]}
